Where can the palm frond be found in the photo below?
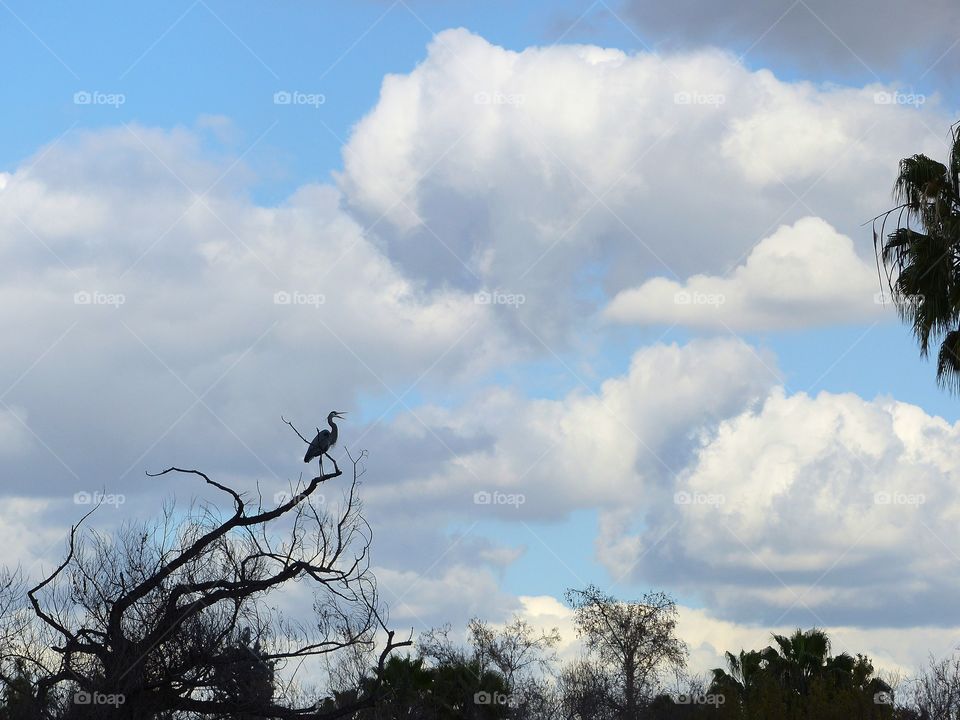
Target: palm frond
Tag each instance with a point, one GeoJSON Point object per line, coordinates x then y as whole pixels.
{"type": "Point", "coordinates": [925, 288]}
{"type": "Point", "coordinates": [919, 181]}
{"type": "Point", "coordinates": [948, 362]}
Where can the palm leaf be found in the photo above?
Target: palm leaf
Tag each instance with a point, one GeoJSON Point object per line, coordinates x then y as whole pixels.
{"type": "Point", "coordinates": [948, 362]}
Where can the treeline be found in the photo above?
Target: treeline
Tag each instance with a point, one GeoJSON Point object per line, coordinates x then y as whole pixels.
{"type": "Point", "coordinates": [178, 619]}
{"type": "Point", "coordinates": [632, 667]}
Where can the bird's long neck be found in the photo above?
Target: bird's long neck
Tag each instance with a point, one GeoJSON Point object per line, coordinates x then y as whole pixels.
{"type": "Point", "coordinates": [333, 427]}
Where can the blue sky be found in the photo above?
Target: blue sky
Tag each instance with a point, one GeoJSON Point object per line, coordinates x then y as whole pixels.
{"type": "Point", "coordinates": [198, 197]}
{"type": "Point", "coordinates": [176, 62]}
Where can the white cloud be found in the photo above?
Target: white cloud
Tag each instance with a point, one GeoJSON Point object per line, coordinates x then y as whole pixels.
{"type": "Point", "coordinates": [499, 191]}
{"type": "Point", "coordinates": [713, 481]}
{"type": "Point", "coordinates": [584, 166]}
{"type": "Point", "coordinates": [892, 649]}
{"type": "Point", "coordinates": [827, 509]}
{"type": "Point", "coordinates": [802, 275]}
{"type": "Point", "coordinates": [455, 596]}
{"type": "Point", "coordinates": [585, 450]}
{"type": "Point", "coordinates": [142, 295]}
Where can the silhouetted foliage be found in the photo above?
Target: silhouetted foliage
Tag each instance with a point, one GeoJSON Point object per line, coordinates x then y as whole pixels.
{"type": "Point", "coordinates": [630, 647]}
{"type": "Point", "coordinates": [922, 255]}
{"type": "Point", "coordinates": [172, 619]}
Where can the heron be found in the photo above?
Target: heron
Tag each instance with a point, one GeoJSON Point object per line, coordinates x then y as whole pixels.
{"type": "Point", "coordinates": [324, 440]}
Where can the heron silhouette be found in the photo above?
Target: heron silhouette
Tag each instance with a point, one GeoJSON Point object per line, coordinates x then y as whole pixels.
{"type": "Point", "coordinates": [324, 440]}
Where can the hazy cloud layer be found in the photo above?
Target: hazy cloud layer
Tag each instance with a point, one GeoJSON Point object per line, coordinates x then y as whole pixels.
{"type": "Point", "coordinates": [876, 37]}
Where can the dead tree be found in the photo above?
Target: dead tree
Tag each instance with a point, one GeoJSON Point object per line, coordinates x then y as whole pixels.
{"type": "Point", "coordinates": [151, 620]}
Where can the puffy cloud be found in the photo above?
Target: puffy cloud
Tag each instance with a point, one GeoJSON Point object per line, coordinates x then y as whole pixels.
{"type": "Point", "coordinates": [712, 481]}
{"type": "Point", "coordinates": [810, 510]}
{"type": "Point", "coordinates": [521, 458]}
{"type": "Point", "coordinates": [803, 274]}
{"type": "Point", "coordinates": [159, 313]}
{"type": "Point", "coordinates": [579, 166]}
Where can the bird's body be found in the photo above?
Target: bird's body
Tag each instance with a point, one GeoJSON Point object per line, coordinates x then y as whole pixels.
{"type": "Point", "coordinates": [324, 440]}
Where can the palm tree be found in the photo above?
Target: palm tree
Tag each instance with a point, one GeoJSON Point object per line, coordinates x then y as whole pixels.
{"type": "Point", "coordinates": [742, 672]}
{"type": "Point", "coordinates": [799, 658]}
{"type": "Point", "coordinates": [922, 255]}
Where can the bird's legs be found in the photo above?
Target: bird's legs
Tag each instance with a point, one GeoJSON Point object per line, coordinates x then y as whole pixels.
{"type": "Point", "coordinates": [320, 457]}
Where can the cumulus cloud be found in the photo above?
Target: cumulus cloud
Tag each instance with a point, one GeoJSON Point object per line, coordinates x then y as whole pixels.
{"type": "Point", "coordinates": [162, 315]}
{"type": "Point", "coordinates": [805, 510]}
{"type": "Point", "coordinates": [544, 458]}
{"type": "Point", "coordinates": [548, 168]}
{"type": "Point", "coordinates": [147, 292]}
{"type": "Point", "coordinates": [711, 480]}
{"type": "Point", "coordinates": [802, 275]}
